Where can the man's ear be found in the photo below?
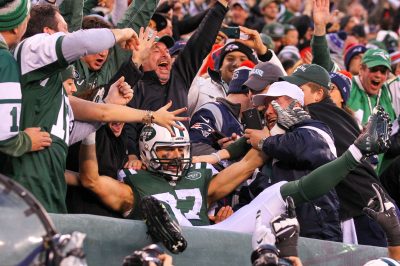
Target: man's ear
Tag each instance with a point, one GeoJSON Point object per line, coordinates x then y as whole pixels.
{"type": "Point", "coordinates": [14, 31]}
{"type": "Point", "coordinates": [48, 30]}
{"type": "Point", "coordinates": [319, 95]}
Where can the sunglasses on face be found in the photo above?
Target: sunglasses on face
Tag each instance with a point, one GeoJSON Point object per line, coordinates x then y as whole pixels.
{"type": "Point", "coordinates": [381, 69]}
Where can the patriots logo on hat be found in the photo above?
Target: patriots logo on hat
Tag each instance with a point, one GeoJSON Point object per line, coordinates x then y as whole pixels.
{"type": "Point", "coordinates": [235, 75]}
{"type": "Point", "coordinates": [231, 47]}
{"type": "Point", "coordinates": [382, 54]}
{"type": "Point", "coordinates": [257, 72]}
{"type": "Point", "coordinates": [358, 49]}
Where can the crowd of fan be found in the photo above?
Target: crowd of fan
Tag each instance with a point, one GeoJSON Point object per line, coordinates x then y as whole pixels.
{"type": "Point", "coordinates": [224, 61]}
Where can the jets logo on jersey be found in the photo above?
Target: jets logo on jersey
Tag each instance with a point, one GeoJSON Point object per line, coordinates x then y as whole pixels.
{"type": "Point", "coordinates": [193, 175]}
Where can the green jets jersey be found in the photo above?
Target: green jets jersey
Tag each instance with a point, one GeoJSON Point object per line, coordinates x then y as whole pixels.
{"type": "Point", "coordinates": [362, 104]}
{"type": "Point", "coordinates": [44, 105]}
{"type": "Point", "coordinates": [187, 197]}
{"type": "Point", "coordinates": [12, 141]}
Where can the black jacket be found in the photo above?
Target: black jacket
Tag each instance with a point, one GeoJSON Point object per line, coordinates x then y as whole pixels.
{"type": "Point", "coordinates": [355, 190]}
{"type": "Point", "coordinates": [150, 94]}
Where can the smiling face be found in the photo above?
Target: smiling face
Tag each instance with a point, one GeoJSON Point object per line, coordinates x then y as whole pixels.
{"type": "Point", "coordinates": [270, 115]}
{"type": "Point", "coordinates": [231, 61]}
{"type": "Point", "coordinates": [96, 61]}
{"type": "Point", "coordinates": [372, 79]}
{"type": "Point", "coordinates": [116, 128]}
{"type": "Point", "coordinates": [239, 15]}
{"type": "Point", "coordinates": [159, 60]}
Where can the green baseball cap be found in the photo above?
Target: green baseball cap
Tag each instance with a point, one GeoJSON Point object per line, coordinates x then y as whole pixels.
{"type": "Point", "coordinates": [309, 73]}
{"type": "Point", "coordinates": [376, 57]}
{"type": "Point", "coordinates": [267, 41]}
{"type": "Point", "coordinates": [275, 30]}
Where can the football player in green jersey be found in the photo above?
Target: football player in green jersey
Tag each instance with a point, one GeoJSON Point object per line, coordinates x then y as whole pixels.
{"type": "Point", "coordinates": [188, 189]}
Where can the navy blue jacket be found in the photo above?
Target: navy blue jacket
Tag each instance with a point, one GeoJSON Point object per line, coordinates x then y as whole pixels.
{"type": "Point", "coordinates": [295, 154]}
{"type": "Point", "coordinates": [219, 116]}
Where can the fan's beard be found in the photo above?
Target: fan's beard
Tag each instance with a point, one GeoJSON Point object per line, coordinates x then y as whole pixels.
{"type": "Point", "coordinates": [277, 130]}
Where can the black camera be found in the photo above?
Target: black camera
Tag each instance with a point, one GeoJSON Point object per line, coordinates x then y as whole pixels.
{"type": "Point", "coordinates": [144, 256]}
{"type": "Point", "coordinates": [268, 255]}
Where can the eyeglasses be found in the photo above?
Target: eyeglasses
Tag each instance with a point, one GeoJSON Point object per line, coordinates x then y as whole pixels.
{"type": "Point", "coordinates": [381, 69]}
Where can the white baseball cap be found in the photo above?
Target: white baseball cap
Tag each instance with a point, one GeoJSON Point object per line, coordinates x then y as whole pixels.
{"type": "Point", "coordinates": [280, 88]}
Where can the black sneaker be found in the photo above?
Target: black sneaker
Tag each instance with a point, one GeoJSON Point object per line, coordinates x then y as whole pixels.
{"type": "Point", "coordinates": [375, 137]}
{"type": "Point", "coordinates": [161, 226]}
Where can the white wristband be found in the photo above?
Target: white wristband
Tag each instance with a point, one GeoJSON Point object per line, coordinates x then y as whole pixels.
{"type": "Point", "coordinates": [217, 156]}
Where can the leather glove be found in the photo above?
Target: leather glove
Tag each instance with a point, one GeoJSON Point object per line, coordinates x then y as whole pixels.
{"type": "Point", "coordinates": [383, 211]}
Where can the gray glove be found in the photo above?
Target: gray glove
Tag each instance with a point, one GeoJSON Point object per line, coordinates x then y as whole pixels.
{"type": "Point", "coordinates": [286, 230]}
{"type": "Point", "coordinates": [383, 211]}
{"type": "Point", "coordinates": [291, 115]}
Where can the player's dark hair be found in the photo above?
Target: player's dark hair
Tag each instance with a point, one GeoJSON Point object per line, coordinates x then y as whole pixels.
{"type": "Point", "coordinates": [94, 22]}
{"type": "Point", "coordinates": [42, 15]}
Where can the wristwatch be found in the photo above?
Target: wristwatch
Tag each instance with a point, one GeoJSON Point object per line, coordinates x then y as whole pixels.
{"type": "Point", "coordinates": [261, 143]}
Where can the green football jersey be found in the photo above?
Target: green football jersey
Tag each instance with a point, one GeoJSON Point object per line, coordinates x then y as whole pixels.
{"type": "Point", "coordinates": [12, 141]}
{"type": "Point", "coordinates": [187, 197]}
{"type": "Point", "coordinates": [44, 105]}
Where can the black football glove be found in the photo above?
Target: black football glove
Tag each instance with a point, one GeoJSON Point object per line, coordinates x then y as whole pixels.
{"type": "Point", "coordinates": [383, 211]}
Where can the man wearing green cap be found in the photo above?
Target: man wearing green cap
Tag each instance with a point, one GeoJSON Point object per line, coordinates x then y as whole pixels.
{"type": "Point", "coordinates": [369, 88]}
{"type": "Point", "coordinates": [13, 21]}
{"type": "Point", "coordinates": [313, 80]}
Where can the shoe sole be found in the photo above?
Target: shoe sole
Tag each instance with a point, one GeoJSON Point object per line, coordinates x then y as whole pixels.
{"type": "Point", "coordinates": [161, 227]}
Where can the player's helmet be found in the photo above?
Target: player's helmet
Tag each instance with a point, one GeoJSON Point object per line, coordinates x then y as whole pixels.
{"type": "Point", "coordinates": [154, 136]}
{"type": "Point", "coordinates": [384, 261]}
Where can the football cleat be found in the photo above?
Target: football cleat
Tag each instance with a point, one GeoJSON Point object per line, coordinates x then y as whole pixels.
{"type": "Point", "coordinates": [375, 137]}
{"type": "Point", "coordinates": [161, 226]}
